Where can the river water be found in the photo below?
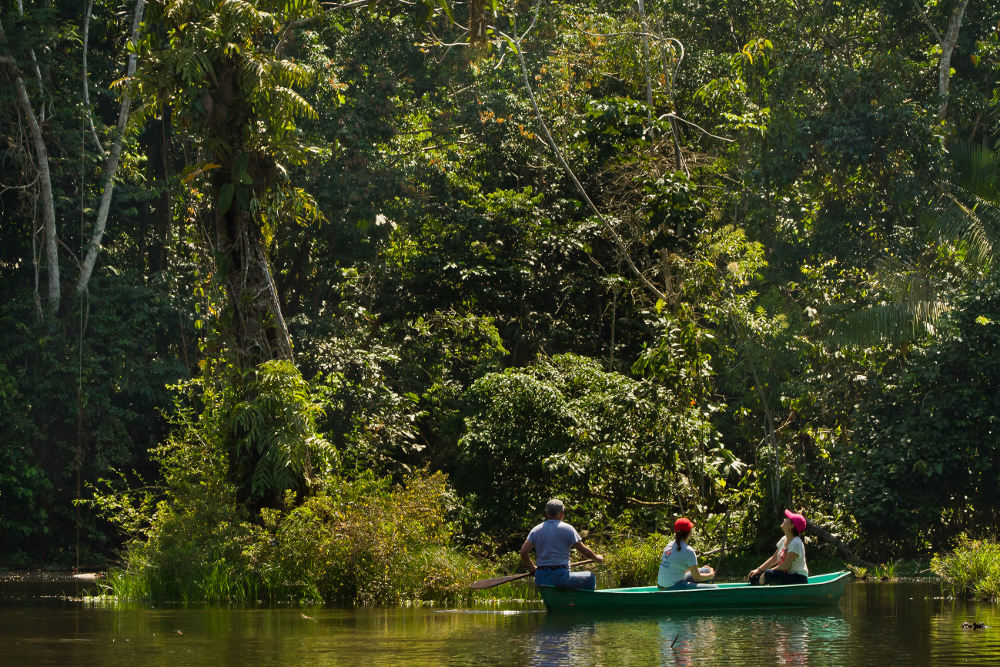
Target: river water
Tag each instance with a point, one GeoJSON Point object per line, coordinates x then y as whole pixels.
{"type": "Point", "coordinates": [904, 623]}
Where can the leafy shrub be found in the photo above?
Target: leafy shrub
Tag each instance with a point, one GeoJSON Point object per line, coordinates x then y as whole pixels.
{"type": "Point", "coordinates": [270, 425]}
{"type": "Point", "coordinates": [191, 545]}
{"type": "Point", "coordinates": [365, 542]}
{"type": "Point", "coordinates": [237, 440]}
{"type": "Point", "coordinates": [361, 541]}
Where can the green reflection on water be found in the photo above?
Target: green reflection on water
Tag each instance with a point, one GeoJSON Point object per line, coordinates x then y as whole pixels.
{"type": "Point", "coordinates": [874, 624]}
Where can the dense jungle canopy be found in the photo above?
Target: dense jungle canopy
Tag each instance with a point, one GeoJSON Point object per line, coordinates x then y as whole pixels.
{"type": "Point", "coordinates": [711, 257]}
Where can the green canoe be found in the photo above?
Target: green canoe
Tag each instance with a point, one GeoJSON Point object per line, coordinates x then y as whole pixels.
{"type": "Point", "coordinates": [823, 589]}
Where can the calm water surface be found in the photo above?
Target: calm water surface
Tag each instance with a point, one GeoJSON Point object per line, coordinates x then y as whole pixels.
{"type": "Point", "coordinates": [875, 624]}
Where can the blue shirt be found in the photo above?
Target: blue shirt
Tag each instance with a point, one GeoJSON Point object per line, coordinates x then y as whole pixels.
{"type": "Point", "coordinates": [553, 540]}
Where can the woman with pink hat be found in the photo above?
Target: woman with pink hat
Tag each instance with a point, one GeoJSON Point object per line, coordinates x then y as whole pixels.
{"type": "Point", "coordinates": [788, 564]}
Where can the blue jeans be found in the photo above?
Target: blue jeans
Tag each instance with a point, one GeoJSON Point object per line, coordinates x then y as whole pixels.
{"type": "Point", "coordinates": [687, 582]}
{"type": "Point", "coordinates": [561, 577]}
{"type": "Point", "coordinates": [778, 578]}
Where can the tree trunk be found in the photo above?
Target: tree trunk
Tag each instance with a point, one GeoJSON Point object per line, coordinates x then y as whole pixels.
{"type": "Point", "coordinates": [110, 165]}
{"type": "Point", "coordinates": [948, 43]}
{"type": "Point", "coordinates": [254, 311]}
{"type": "Point", "coordinates": [258, 328]}
{"type": "Point", "coordinates": [51, 240]}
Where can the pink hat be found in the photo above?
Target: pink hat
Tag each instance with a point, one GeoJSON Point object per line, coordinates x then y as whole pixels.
{"type": "Point", "coordinates": [797, 520]}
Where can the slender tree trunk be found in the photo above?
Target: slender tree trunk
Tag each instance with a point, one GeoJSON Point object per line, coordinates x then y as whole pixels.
{"type": "Point", "coordinates": [156, 142]}
{"type": "Point", "coordinates": [645, 61]}
{"type": "Point", "coordinates": [51, 240]}
{"type": "Point", "coordinates": [110, 165]}
{"type": "Point", "coordinates": [948, 43]}
{"type": "Point", "coordinates": [86, 83]}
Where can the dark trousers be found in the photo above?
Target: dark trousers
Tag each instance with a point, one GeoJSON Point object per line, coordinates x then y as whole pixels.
{"type": "Point", "coordinates": [778, 578]}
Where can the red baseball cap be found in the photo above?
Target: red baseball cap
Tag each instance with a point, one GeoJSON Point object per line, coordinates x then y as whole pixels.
{"type": "Point", "coordinates": [683, 525]}
{"type": "Point", "coordinates": [797, 520]}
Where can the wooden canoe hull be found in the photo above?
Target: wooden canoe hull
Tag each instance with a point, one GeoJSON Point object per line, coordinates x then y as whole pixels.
{"type": "Point", "coordinates": [824, 589]}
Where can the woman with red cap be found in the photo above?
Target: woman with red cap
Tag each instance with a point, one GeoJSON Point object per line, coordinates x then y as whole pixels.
{"type": "Point", "coordinates": [788, 564]}
{"type": "Point", "coordinates": [679, 564]}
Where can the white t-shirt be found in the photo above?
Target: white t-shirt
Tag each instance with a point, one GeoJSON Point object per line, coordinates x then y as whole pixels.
{"type": "Point", "coordinates": [676, 561]}
{"type": "Point", "coordinates": [795, 547]}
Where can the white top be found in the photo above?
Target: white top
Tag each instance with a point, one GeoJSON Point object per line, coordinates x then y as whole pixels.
{"type": "Point", "coordinates": [795, 547]}
{"type": "Point", "coordinates": [676, 561]}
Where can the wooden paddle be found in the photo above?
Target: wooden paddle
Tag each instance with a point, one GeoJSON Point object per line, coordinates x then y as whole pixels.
{"type": "Point", "coordinates": [496, 581]}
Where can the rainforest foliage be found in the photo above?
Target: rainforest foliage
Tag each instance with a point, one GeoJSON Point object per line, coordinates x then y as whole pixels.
{"type": "Point", "coordinates": [338, 294]}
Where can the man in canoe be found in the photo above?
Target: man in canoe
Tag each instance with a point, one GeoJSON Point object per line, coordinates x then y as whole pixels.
{"type": "Point", "coordinates": [679, 564]}
{"type": "Point", "coordinates": [552, 540]}
{"type": "Point", "coordinates": [788, 563]}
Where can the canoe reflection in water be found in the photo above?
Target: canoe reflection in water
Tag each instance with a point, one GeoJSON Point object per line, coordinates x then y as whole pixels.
{"type": "Point", "coordinates": [795, 637]}
{"type": "Point", "coordinates": [557, 644]}
{"type": "Point", "coordinates": [791, 638]}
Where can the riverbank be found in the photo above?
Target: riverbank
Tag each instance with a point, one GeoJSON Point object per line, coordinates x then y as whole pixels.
{"type": "Point", "coordinates": [38, 583]}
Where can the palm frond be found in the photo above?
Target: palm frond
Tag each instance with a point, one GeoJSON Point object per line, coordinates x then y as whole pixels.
{"type": "Point", "coordinates": [973, 223]}
{"type": "Point", "coordinates": [289, 73]}
{"type": "Point", "coordinates": [912, 309]}
{"type": "Point", "coordinates": [895, 322]}
{"type": "Point", "coordinates": [977, 170]}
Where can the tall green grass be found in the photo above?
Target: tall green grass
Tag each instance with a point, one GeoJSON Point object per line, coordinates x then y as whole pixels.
{"type": "Point", "coordinates": [972, 570]}
{"type": "Point", "coordinates": [632, 562]}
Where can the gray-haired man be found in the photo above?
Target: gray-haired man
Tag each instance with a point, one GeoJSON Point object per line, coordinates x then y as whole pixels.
{"type": "Point", "coordinates": [552, 541]}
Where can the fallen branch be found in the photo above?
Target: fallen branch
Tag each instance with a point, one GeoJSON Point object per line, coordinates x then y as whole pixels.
{"type": "Point", "coordinates": [843, 549]}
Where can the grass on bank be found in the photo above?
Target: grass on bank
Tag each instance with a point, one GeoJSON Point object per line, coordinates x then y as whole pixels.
{"type": "Point", "coordinates": [972, 570]}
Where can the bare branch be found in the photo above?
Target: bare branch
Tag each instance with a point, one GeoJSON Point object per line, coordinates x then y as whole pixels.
{"type": "Point", "coordinates": [619, 243]}
{"type": "Point", "coordinates": [347, 5]}
{"type": "Point", "coordinates": [927, 21]}
{"type": "Point", "coordinates": [695, 125]}
{"type": "Point", "coordinates": [86, 76]}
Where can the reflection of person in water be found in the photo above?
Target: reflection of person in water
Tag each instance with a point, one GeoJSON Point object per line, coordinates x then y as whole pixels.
{"type": "Point", "coordinates": [563, 641]}
{"type": "Point", "coordinates": [676, 640]}
{"type": "Point", "coordinates": [791, 641]}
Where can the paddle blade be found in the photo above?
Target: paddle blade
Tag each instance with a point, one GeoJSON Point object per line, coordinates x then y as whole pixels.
{"type": "Point", "coordinates": [496, 581]}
